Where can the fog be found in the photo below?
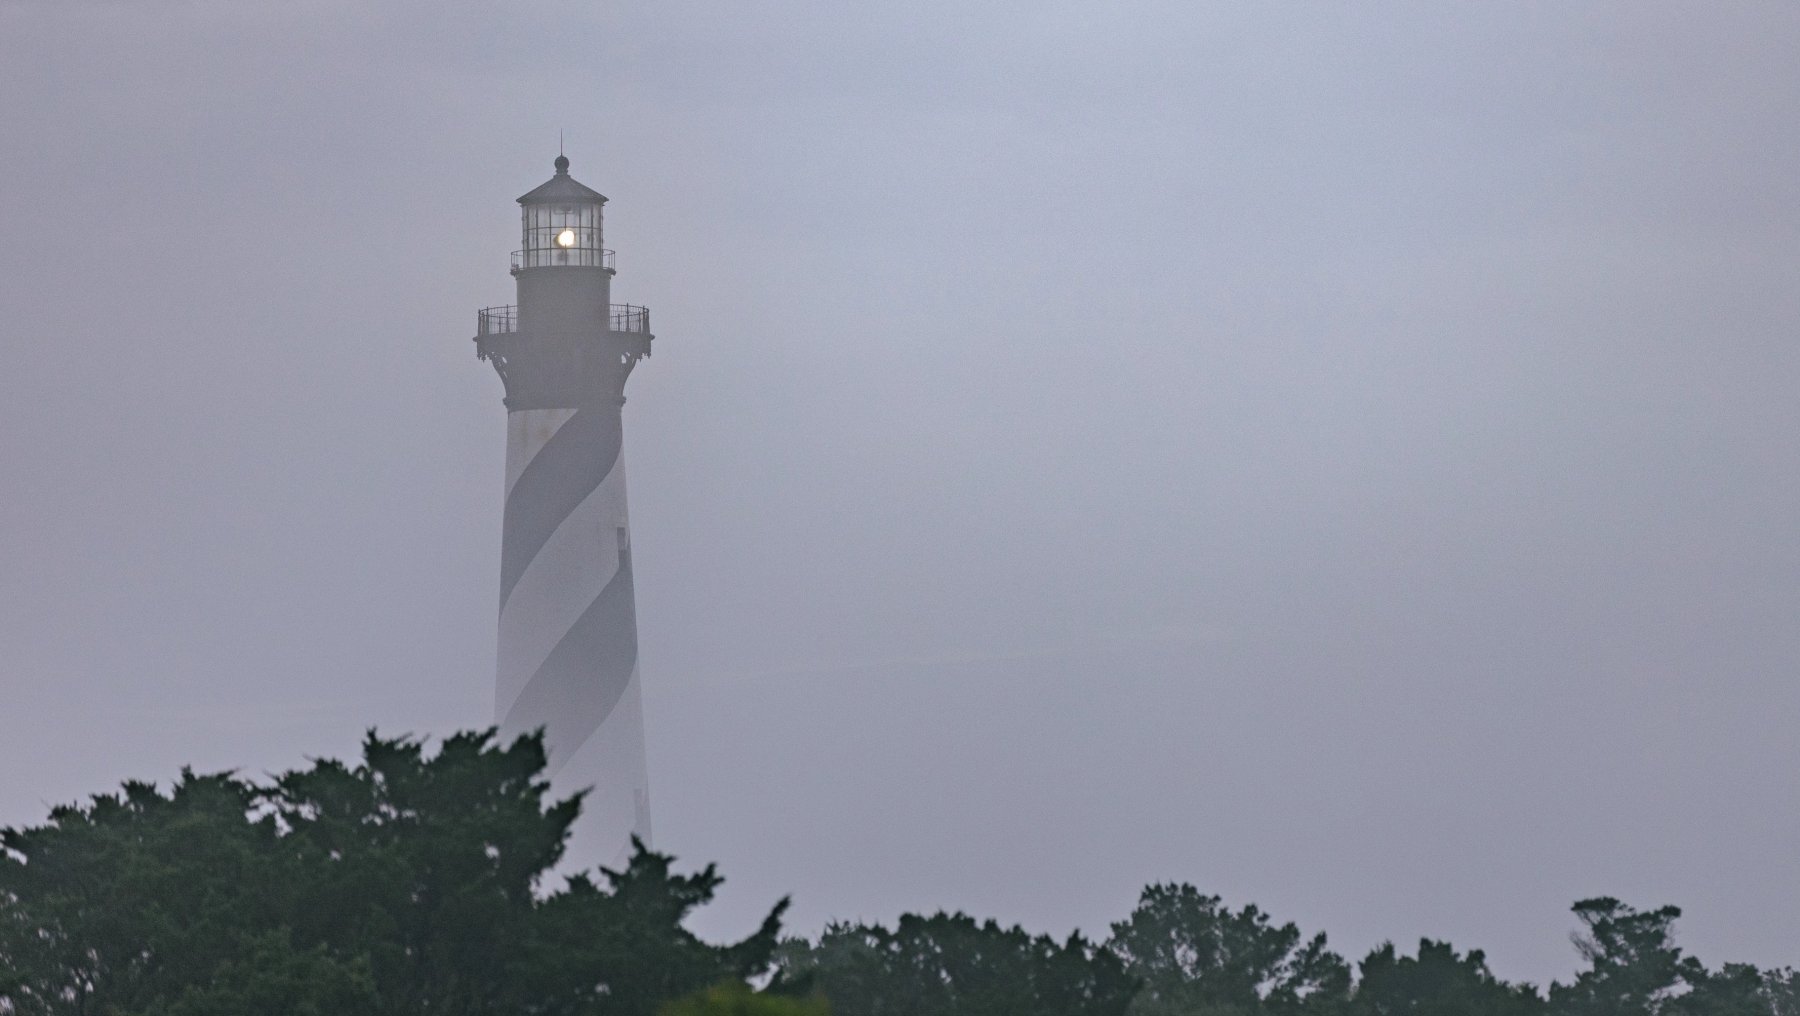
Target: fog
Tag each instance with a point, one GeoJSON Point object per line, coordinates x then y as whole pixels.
{"type": "Point", "coordinates": [1341, 456]}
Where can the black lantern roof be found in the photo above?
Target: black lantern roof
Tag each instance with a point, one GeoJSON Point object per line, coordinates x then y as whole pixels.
{"type": "Point", "coordinates": [562, 189]}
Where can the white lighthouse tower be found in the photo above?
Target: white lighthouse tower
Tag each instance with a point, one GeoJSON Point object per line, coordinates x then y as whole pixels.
{"type": "Point", "coordinates": [568, 620]}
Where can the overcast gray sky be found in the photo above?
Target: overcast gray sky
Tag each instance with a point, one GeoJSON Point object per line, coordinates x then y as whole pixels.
{"type": "Point", "coordinates": [1341, 455]}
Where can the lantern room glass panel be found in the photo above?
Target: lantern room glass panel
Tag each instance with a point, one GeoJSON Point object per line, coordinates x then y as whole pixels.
{"type": "Point", "coordinates": [562, 234]}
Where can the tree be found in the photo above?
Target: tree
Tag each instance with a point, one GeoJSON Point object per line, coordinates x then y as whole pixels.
{"type": "Point", "coordinates": [1739, 989]}
{"type": "Point", "coordinates": [951, 965]}
{"type": "Point", "coordinates": [403, 884]}
{"type": "Point", "coordinates": [1437, 982]}
{"type": "Point", "coordinates": [737, 1000]}
{"type": "Point", "coordinates": [1634, 966]}
{"type": "Point", "coordinates": [637, 943]}
{"type": "Point", "coordinates": [138, 897]}
{"type": "Point", "coordinates": [1198, 958]}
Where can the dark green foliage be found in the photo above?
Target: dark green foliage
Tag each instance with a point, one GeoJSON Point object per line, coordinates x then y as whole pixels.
{"type": "Point", "coordinates": [410, 884]}
{"type": "Point", "coordinates": [737, 1000]}
{"type": "Point", "coordinates": [405, 884]}
{"type": "Point", "coordinates": [126, 904]}
{"type": "Point", "coordinates": [1437, 982]}
{"type": "Point", "coordinates": [270, 977]}
{"type": "Point", "coordinates": [1634, 967]}
{"type": "Point", "coordinates": [636, 925]}
{"type": "Point", "coordinates": [1738, 989]}
{"type": "Point", "coordinates": [951, 965]}
{"type": "Point", "coordinates": [1196, 957]}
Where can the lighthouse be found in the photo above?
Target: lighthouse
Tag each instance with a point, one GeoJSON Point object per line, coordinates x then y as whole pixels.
{"type": "Point", "coordinates": [568, 650]}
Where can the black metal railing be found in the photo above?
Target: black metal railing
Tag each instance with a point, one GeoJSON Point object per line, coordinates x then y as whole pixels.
{"type": "Point", "coordinates": [497, 320]}
{"type": "Point", "coordinates": [623, 317]}
{"type": "Point", "coordinates": [628, 317]}
{"type": "Point", "coordinates": [562, 257]}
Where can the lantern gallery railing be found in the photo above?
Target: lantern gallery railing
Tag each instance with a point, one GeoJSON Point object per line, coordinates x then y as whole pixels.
{"type": "Point", "coordinates": [562, 257]}
{"type": "Point", "coordinates": [628, 317]}
{"type": "Point", "coordinates": [496, 320]}
{"type": "Point", "coordinates": [624, 317]}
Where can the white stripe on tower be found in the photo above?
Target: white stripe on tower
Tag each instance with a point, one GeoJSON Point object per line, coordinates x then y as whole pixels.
{"type": "Point", "coordinates": [568, 625]}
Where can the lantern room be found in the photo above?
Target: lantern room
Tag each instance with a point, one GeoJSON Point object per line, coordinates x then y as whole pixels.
{"type": "Point", "coordinates": [562, 225]}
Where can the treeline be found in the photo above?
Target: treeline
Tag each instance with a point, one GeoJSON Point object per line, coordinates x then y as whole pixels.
{"type": "Point", "coordinates": [1181, 953]}
{"type": "Point", "coordinates": [420, 883]}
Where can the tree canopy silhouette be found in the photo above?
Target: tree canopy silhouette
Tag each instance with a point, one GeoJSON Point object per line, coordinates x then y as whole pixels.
{"type": "Point", "coordinates": [406, 883]}
{"type": "Point", "coordinates": [426, 884]}
{"type": "Point", "coordinates": [954, 965]}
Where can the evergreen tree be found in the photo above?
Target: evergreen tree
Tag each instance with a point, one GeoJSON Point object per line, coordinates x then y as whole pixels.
{"type": "Point", "coordinates": [1739, 989]}
{"type": "Point", "coordinates": [404, 884]}
{"type": "Point", "coordinates": [1437, 982]}
{"type": "Point", "coordinates": [1196, 957]}
{"type": "Point", "coordinates": [737, 1000]}
{"type": "Point", "coordinates": [951, 965]}
{"type": "Point", "coordinates": [1634, 966]}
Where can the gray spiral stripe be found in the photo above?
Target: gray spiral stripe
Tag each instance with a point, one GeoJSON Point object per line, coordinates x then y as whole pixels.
{"type": "Point", "coordinates": [575, 689]}
{"type": "Point", "coordinates": [563, 473]}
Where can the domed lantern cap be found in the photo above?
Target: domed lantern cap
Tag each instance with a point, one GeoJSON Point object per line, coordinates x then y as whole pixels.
{"type": "Point", "coordinates": [562, 189]}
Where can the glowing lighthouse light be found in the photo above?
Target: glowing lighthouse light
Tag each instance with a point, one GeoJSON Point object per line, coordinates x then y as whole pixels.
{"type": "Point", "coordinates": [566, 238]}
